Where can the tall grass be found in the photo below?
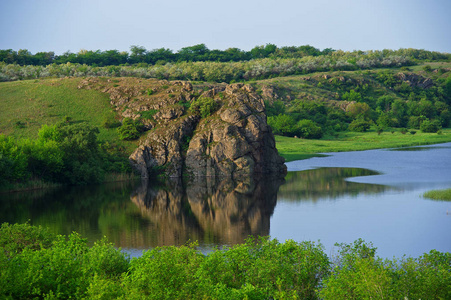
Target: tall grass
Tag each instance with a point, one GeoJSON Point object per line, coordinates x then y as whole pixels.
{"type": "Point", "coordinates": [439, 195]}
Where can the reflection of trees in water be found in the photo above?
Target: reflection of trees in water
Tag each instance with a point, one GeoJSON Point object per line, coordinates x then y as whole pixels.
{"type": "Point", "coordinates": [209, 210]}
{"type": "Point", "coordinates": [326, 183]}
{"type": "Point", "coordinates": [65, 210]}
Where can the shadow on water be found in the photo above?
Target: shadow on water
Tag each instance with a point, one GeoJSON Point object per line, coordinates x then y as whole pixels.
{"type": "Point", "coordinates": [326, 183]}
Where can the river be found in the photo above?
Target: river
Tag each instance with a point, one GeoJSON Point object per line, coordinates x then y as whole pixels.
{"type": "Point", "coordinates": [375, 195]}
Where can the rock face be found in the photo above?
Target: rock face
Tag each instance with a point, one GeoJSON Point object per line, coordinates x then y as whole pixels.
{"type": "Point", "coordinates": [231, 140]}
{"type": "Point", "coordinates": [415, 80]}
{"type": "Point", "coordinates": [235, 141]}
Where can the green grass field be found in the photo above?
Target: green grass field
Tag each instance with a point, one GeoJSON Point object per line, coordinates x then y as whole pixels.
{"type": "Point", "coordinates": [27, 105]}
{"type": "Point", "coordinates": [296, 149]}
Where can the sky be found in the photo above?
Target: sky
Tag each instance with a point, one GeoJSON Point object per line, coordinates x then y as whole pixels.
{"type": "Point", "coordinates": [73, 25]}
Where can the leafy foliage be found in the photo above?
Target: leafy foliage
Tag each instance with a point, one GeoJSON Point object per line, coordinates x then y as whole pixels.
{"type": "Point", "coordinates": [37, 264]}
{"type": "Point", "coordinates": [430, 126]}
{"type": "Point", "coordinates": [67, 153]}
{"type": "Point", "coordinates": [130, 129]}
{"type": "Point", "coordinates": [359, 125]}
{"type": "Point", "coordinates": [204, 106]}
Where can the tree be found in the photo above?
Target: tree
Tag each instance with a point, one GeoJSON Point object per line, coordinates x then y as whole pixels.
{"type": "Point", "coordinates": [358, 110]}
{"type": "Point", "coordinates": [137, 54]}
{"type": "Point", "coordinates": [352, 95]}
{"type": "Point", "coordinates": [309, 129]}
{"type": "Point", "coordinates": [283, 124]}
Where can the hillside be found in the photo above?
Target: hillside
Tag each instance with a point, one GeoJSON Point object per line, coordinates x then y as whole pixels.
{"type": "Point", "coordinates": [335, 105]}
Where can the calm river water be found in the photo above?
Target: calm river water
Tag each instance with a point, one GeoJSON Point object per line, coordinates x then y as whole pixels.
{"type": "Point", "coordinates": [375, 195]}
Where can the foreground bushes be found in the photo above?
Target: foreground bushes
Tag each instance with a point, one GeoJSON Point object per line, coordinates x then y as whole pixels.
{"type": "Point", "coordinates": [37, 264]}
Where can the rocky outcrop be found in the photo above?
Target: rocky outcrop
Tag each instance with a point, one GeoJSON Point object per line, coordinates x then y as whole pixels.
{"type": "Point", "coordinates": [234, 141]}
{"type": "Point", "coordinates": [226, 135]}
{"type": "Point", "coordinates": [415, 80]}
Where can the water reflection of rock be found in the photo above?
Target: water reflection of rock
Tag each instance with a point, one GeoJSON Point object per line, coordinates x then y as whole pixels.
{"type": "Point", "coordinates": [208, 210]}
{"type": "Point", "coordinates": [328, 183]}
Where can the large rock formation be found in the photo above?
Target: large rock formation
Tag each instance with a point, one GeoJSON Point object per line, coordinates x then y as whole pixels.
{"type": "Point", "coordinates": [226, 135]}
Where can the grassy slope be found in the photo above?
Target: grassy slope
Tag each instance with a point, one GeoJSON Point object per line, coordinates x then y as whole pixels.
{"type": "Point", "coordinates": [38, 102]}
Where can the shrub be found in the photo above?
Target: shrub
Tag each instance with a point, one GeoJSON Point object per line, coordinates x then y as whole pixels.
{"type": "Point", "coordinates": [204, 106]}
{"type": "Point", "coordinates": [130, 129]}
{"type": "Point", "coordinates": [165, 273]}
{"type": "Point", "coordinates": [148, 114]}
{"type": "Point", "coordinates": [427, 68]}
{"type": "Point", "coordinates": [430, 126]}
{"type": "Point", "coordinates": [283, 124]}
{"type": "Point", "coordinates": [308, 129]}
{"type": "Point", "coordinates": [359, 125]}
{"type": "Point", "coordinates": [17, 237]}
{"type": "Point", "coordinates": [110, 122]}
{"type": "Point", "coordinates": [20, 124]}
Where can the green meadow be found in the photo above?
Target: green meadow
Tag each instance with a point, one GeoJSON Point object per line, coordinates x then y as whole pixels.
{"type": "Point", "coordinates": [295, 149]}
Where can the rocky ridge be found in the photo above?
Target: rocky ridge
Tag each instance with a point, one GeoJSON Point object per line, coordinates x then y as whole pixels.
{"type": "Point", "coordinates": [232, 140]}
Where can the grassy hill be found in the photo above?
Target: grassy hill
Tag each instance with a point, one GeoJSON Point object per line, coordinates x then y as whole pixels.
{"type": "Point", "coordinates": [393, 104]}
{"type": "Point", "coordinates": [27, 105]}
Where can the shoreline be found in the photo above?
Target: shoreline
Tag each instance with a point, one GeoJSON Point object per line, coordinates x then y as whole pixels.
{"type": "Point", "coordinates": [293, 149]}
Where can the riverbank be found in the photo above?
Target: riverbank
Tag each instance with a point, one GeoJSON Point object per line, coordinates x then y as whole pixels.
{"type": "Point", "coordinates": [297, 149]}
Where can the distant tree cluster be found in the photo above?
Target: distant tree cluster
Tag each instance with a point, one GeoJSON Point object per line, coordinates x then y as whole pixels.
{"type": "Point", "coordinates": [397, 105]}
{"type": "Point", "coordinates": [141, 56]}
{"type": "Point", "coordinates": [211, 71]}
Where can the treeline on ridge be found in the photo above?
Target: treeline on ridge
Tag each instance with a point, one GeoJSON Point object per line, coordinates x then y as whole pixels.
{"type": "Point", "coordinates": [140, 55]}
{"type": "Point", "coordinates": [198, 63]}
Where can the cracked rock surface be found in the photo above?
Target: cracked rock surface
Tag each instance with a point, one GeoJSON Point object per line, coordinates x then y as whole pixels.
{"type": "Point", "coordinates": [232, 141]}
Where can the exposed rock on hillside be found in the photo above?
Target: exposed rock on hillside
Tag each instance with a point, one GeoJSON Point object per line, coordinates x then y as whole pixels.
{"type": "Point", "coordinates": [227, 135]}
{"type": "Point", "coordinates": [415, 80]}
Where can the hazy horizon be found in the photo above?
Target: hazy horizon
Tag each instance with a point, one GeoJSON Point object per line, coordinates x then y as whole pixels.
{"type": "Point", "coordinates": [60, 26]}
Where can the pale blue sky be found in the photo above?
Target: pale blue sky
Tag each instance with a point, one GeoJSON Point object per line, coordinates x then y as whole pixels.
{"type": "Point", "coordinates": [62, 25]}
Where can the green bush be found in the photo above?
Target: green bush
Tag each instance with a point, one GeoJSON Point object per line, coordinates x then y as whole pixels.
{"type": "Point", "coordinates": [36, 264]}
{"type": "Point", "coordinates": [430, 126]}
{"type": "Point", "coordinates": [283, 124]}
{"type": "Point", "coordinates": [130, 129]}
{"type": "Point", "coordinates": [63, 153]}
{"type": "Point", "coordinates": [148, 114]}
{"type": "Point", "coordinates": [17, 237]}
{"type": "Point", "coordinates": [359, 125]}
{"type": "Point", "coordinates": [110, 122]}
{"type": "Point", "coordinates": [204, 106]}
{"type": "Point", "coordinates": [308, 129]}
